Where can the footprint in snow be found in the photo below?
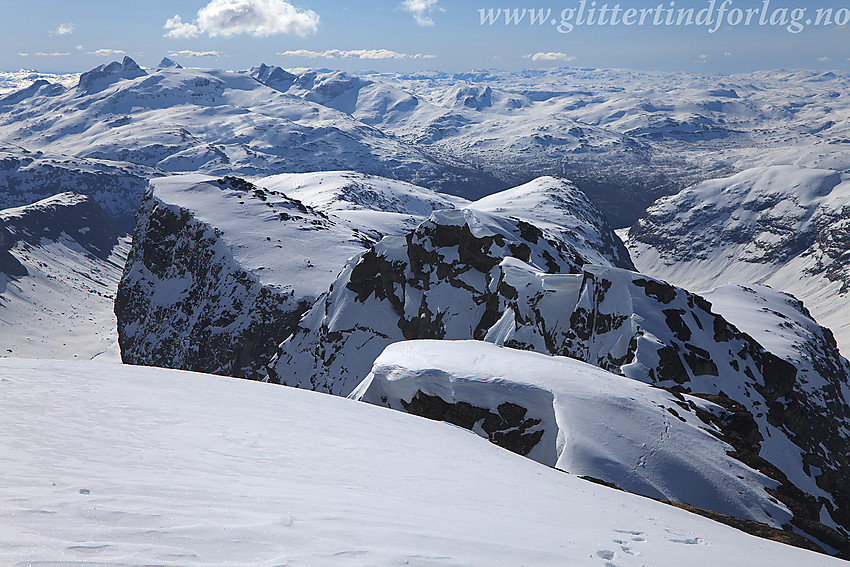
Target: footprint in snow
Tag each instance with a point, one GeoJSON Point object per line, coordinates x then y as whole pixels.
{"type": "Point", "coordinates": [689, 541]}
{"type": "Point", "coordinates": [636, 535]}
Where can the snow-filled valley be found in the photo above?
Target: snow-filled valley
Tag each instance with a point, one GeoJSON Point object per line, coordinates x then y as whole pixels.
{"type": "Point", "coordinates": [441, 246]}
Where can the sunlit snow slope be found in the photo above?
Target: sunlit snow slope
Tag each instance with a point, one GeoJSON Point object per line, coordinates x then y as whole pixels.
{"type": "Point", "coordinates": [60, 262]}
{"type": "Point", "coordinates": [111, 465]}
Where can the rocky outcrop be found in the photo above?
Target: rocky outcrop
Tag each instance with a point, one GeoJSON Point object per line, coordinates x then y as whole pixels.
{"type": "Point", "coordinates": [441, 281]}
{"type": "Point", "coordinates": [465, 274]}
{"type": "Point", "coordinates": [579, 419]}
{"type": "Point", "coordinates": [222, 270]}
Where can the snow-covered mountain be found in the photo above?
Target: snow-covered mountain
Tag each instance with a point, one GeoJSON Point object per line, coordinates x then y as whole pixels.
{"type": "Point", "coordinates": [626, 137]}
{"type": "Point", "coordinates": [60, 262]}
{"type": "Point", "coordinates": [763, 118]}
{"type": "Point", "coordinates": [221, 270]}
{"type": "Point", "coordinates": [217, 122]}
{"type": "Point", "coordinates": [96, 467]}
{"type": "Point", "coordinates": [783, 226]}
{"type": "Point", "coordinates": [11, 81]}
{"type": "Point", "coordinates": [450, 278]}
{"type": "Point", "coordinates": [291, 229]}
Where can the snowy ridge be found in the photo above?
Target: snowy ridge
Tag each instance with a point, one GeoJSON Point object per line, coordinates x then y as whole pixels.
{"type": "Point", "coordinates": [96, 464]}
{"type": "Point", "coordinates": [373, 204]}
{"type": "Point", "coordinates": [783, 226]}
{"type": "Point", "coordinates": [558, 207]}
{"type": "Point", "coordinates": [225, 268]}
{"type": "Point", "coordinates": [222, 269]}
{"type": "Point", "coordinates": [576, 418]}
{"type": "Point", "coordinates": [27, 177]}
{"type": "Point", "coordinates": [625, 137]}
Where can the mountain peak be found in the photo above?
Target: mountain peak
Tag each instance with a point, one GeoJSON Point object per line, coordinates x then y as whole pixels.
{"type": "Point", "coordinates": [104, 75]}
{"type": "Point", "coordinates": [273, 76]}
{"type": "Point", "coordinates": [167, 63]}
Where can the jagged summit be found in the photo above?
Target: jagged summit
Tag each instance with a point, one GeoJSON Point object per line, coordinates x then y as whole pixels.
{"type": "Point", "coordinates": [102, 76]}
{"type": "Point", "coordinates": [274, 77]}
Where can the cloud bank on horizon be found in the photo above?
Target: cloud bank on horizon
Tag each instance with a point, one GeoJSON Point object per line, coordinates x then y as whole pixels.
{"type": "Point", "coordinates": [375, 54]}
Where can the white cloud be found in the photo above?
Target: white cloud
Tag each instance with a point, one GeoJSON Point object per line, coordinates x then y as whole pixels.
{"type": "Point", "coordinates": [63, 29]}
{"type": "Point", "coordinates": [727, 54]}
{"type": "Point", "coordinates": [551, 56]}
{"type": "Point", "coordinates": [823, 59]}
{"type": "Point", "coordinates": [177, 28]}
{"type": "Point", "coordinates": [356, 54]}
{"type": "Point", "coordinates": [422, 10]}
{"type": "Point", "coordinates": [188, 53]}
{"type": "Point", "coordinates": [106, 52]}
{"type": "Point", "coordinates": [260, 18]}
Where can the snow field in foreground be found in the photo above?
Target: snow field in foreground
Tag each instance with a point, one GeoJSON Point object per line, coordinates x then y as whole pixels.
{"type": "Point", "coordinates": [116, 465]}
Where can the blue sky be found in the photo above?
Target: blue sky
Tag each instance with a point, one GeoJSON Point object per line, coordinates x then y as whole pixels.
{"type": "Point", "coordinates": [59, 35]}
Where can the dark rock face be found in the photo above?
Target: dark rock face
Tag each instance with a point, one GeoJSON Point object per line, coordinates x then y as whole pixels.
{"type": "Point", "coordinates": [507, 427]}
{"type": "Point", "coordinates": [9, 265]}
{"type": "Point", "coordinates": [465, 274]}
{"type": "Point", "coordinates": [440, 281]}
{"type": "Point", "coordinates": [832, 239]}
{"type": "Point", "coordinates": [216, 317]}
